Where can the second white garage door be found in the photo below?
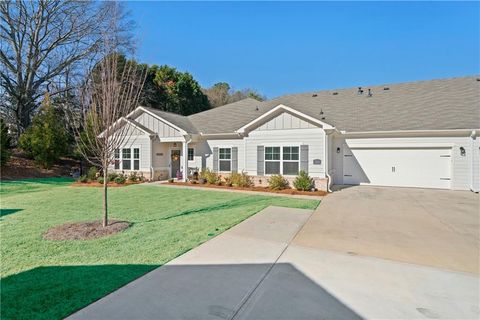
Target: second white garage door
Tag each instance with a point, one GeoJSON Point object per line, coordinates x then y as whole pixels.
{"type": "Point", "coordinates": [403, 167]}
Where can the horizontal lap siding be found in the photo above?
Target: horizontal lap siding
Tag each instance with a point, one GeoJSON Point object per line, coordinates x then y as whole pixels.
{"type": "Point", "coordinates": [461, 169]}
{"type": "Point", "coordinates": [313, 137]}
{"type": "Point", "coordinates": [225, 143]}
{"type": "Point", "coordinates": [143, 143]}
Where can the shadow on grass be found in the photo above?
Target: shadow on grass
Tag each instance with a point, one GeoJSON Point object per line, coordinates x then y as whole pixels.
{"type": "Point", "coordinates": [31, 185]}
{"type": "Point", "coordinates": [54, 292]}
{"type": "Point", "coordinates": [170, 292]}
{"type": "Point", "coordinates": [6, 212]}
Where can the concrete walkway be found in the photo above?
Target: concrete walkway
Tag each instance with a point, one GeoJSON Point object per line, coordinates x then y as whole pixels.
{"type": "Point", "coordinates": [261, 269]}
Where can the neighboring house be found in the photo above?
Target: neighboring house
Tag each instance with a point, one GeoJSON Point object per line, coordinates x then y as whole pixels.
{"type": "Point", "coordinates": [418, 134]}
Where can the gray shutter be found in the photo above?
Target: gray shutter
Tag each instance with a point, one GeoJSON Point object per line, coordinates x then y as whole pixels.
{"type": "Point", "coordinates": [304, 157]}
{"type": "Point", "coordinates": [260, 160]}
{"type": "Point", "coordinates": [215, 159]}
{"type": "Point", "coordinates": [234, 159]}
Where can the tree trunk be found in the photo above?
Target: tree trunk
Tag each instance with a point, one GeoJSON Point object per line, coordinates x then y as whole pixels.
{"type": "Point", "coordinates": [105, 196]}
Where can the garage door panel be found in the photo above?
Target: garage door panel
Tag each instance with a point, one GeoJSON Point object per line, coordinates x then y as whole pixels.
{"type": "Point", "coordinates": [427, 167]}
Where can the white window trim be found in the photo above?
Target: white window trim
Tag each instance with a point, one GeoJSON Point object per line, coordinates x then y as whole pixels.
{"type": "Point", "coordinates": [281, 159]}
{"type": "Point", "coordinates": [132, 159]}
{"type": "Point", "coordinates": [193, 153]}
{"type": "Point", "coordinates": [230, 160]}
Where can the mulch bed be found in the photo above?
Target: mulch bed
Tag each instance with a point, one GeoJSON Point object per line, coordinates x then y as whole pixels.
{"type": "Point", "coordinates": [96, 184]}
{"type": "Point", "coordinates": [85, 230]}
{"type": "Point", "coordinates": [261, 189]}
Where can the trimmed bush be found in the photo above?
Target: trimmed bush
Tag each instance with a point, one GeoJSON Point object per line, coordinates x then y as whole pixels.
{"type": "Point", "coordinates": [5, 143]}
{"type": "Point", "coordinates": [170, 180]}
{"type": "Point", "coordinates": [277, 182]}
{"type": "Point", "coordinates": [83, 179]}
{"type": "Point", "coordinates": [100, 180]}
{"type": "Point", "coordinates": [210, 176]}
{"type": "Point", "coordinates": [112, 176]}
{"type": "Point", "coordinates": [120, 179]}
{"type": "Point", "coordinates": [92, 173]}
{"type": "Point", "coordinates": [242, 180]}
{"type": "Point", "coordinates": [133, 176]}
{"type": "Point", "coordinates": [303, 182]}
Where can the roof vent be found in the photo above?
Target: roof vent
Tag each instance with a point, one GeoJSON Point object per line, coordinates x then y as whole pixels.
{"type": "Point", "coordinates": [478, 79]}
{"type": "Point", "coordinates": [314, 95]}
{"type": "Point", "coordinates": [370, 93]}
{"type": "Point", "coordinates": [321, 111]}
{"type": "Point", "coordinates": [335, 93]}
{"type": "Point", "coordinates": [360, 90]}
{"type": "Point", "coordinates": [256, 108]}
{"type": "Point", "coordinates": [386, 88]}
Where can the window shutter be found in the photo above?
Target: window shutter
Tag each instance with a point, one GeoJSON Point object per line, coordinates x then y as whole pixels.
{"type": "Point", "coordinates": [215, 159]}
{"type": "Point", "coordinates": [234, 159]}
{"type": "Point", "coordinates": [260, 160]}
{"type": "Point", "coordinates": [304, 157]}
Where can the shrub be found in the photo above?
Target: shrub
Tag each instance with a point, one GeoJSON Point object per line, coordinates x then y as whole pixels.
{"type": "Point", "coordinates": [242, 180]}
{"type": "Point", "coordinates": [92, 173]}
{"type": "Point", "coordinates": [277, 182]}
{"type": "Point", "coordinates": [46, 140]}
{"type": "Point", "coordinates": [170, 180]}
{"type": "Point", "coordinates": [112, 176]}
{"type": "Point", "coordinates": [100, 180]}
{"type": "Point", "coordinates": [133, 176]}
{"type": "Point", "coordinates": [120, 179]}
{"type": "Point", "coordinates": [83, 179]}
{"type": "Point", "coordinates": [6, 143]}
{"type": "Point", "coordinates": [210, 176]}
{"type": "Point", "coordinates": [303, 182]}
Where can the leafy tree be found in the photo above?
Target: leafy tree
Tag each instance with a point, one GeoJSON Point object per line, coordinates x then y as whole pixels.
{"type": "Point", "coordinates": [5, 143]}
{"type": "Point", "coordinates": [46, 140]}
{"type": "Point", "coordinates": [221, 93]}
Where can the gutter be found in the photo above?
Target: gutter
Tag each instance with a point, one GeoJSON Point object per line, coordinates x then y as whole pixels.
{"type": "Point", "coordinates": [325, 156]}
{"type": "Point", "coordinates": [473, 188]}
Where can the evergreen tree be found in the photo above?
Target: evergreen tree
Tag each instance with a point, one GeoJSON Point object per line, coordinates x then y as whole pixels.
{"type": "Point", "coordinates": [5, 143]}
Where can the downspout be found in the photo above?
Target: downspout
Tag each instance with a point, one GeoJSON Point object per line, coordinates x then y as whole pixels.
{"type": "Point", "coordinates": [472, 162]}
{"type": "Point", "coordinates": [151, 158]}
{"type": "Point", "coordinates": [185, 158]}
{"type": "Point", "coordinates": [325, 156]}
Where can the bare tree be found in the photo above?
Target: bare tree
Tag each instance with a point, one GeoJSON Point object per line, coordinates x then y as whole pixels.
{"type": "Point", "coordinates": [45, 45]}
{"type": "Point", "coordinates": [111, 92]}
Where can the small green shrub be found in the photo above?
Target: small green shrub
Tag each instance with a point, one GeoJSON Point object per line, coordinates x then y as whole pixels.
{"type": "Point", "coordinates": [83, 179]}
{"type": "Point", "coordinates": [210, 176]}
{"type": "Point", "coordinates": [303, 182]}
{"type": "Point", "coordinates": [100, 180]}
{"type": "Point", "coordinates": [242, 180]}
{"type": "Point", "coordinates": [277, 182]}
{"type": "Point", "coordinates": [133, 176]}
{"type": "Point", "coordinates": [92, 173]}
{"type": "Point", "coordinates": [120, 179]}
{"type": "Point", "coordinates": [170, 180]}
{"type": "Point", "coordinates": [112, 176]}
{"type": "Point", "coordinates": [5, 143]}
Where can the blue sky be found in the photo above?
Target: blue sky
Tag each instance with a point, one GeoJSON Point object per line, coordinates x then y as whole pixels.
{"type": "Point", "coordinates": [285, 47]}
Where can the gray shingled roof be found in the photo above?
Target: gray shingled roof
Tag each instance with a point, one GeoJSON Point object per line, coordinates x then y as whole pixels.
{"type": "Point", "coordinates": [423, 105]}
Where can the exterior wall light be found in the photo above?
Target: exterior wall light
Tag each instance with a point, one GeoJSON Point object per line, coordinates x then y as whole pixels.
{"type": "Point", "coordinates": [338, 149]}
{"type": "Point", "coordinates": [462, 151]}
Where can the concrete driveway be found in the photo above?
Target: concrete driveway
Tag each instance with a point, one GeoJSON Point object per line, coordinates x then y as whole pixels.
{"type": "Point", "coordinates": [359, 255]}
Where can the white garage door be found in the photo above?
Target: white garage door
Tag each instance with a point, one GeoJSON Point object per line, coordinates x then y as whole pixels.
{"type": "Point", "coordinates": [403, 167]}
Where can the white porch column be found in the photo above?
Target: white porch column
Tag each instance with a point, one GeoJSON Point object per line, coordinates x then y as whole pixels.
{"type": "Point", "coordinates": [185, 160]}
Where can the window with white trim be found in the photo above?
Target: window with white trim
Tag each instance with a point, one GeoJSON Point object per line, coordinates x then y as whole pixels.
{"type": "Point", "coordinates": [136, 159]}
{"type": "Point", "coordinates": [272, 160]}
{"type": "Point", "coordinates": [225, 159]}
{"type": "Point", "coordinates": [282, 160]}
{"type": "Point", "coordinates": [116, 159]}
{"type": "Point", "coordinates": [126, 159]}
{"type": "Point", "coordinates": [191, 154]}
{"type": "Point", "coordinates": [291, 160]}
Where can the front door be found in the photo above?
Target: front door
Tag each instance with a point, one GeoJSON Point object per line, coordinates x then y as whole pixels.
{"type": "Point", "coordinates": [174, 162]}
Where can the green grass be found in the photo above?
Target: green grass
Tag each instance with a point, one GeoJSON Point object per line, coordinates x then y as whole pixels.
{"type": "Point", "coordinates": [44, 279]}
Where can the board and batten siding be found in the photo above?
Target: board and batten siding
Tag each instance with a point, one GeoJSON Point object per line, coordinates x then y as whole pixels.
{"type": "Point", "coordinates": [461, 174]}
{"type": "Point", "coordinates": [162, 129]}
{"type": "Point", "coordinates": [285, 121]}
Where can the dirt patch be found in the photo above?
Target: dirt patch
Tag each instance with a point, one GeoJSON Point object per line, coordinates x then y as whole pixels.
{"type": "Point", "coordinates": [20, 167]}
{"type": "Point", "coordinates": [96, 184]}
{"type": "Point", "coordinates": [260, 189]}
{"type": "Point", "coordinates": [85, 230]}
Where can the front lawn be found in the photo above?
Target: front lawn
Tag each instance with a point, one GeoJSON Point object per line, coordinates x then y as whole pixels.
{"type": "Point", "coordinates": [45, 279]}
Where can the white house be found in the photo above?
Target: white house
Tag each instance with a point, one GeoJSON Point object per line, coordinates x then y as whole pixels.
{"type": "Point", "coordinates": [418, 134]}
